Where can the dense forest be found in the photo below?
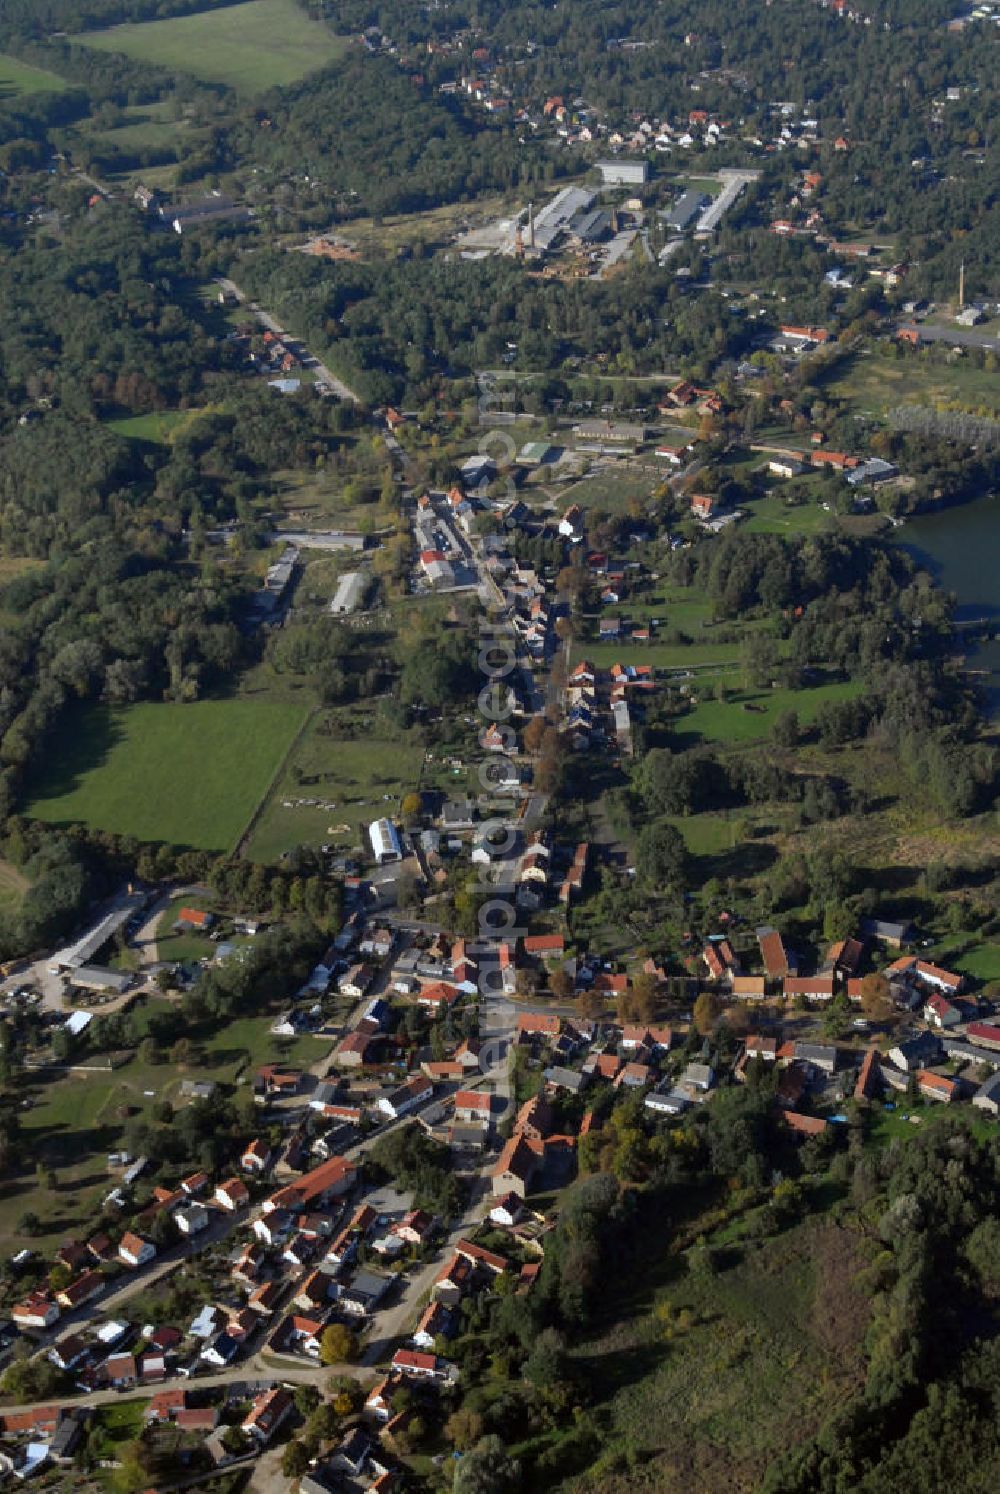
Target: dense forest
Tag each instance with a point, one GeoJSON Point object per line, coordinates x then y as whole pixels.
{"type": "Point", "coordinates": [400, 328]}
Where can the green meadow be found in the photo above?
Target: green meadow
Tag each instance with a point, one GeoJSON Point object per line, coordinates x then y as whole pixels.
{"type": "Point", "coordinates": [188, 775]}
{"type": "Point", "coordinates": [252, 47]}
{"type": "Point", "coordinates": [18, 78]}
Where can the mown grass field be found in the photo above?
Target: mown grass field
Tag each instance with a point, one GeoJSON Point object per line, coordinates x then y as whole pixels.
{"type": "Point", "coordinates": [363, 776]}
{"type": "Point", "coordinates": [182, 945]}
{"type": "Point", "coordinates": [750, 714]}
{"type": "Point", "coordinates": [18, 78]}
{"type": "Point", "coordinates": [252, 47]}
{"type": "Point", "coordinates": [978, 958]}
{"type": "Point", "coordinates": [773, 515]}
{"type": "Point", "coordinates": [664, 655]}
{"type": "Point", "coordinates": [189, 775]}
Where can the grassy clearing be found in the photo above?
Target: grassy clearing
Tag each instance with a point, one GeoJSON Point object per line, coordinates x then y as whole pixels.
{"type": "Point", "coordinates": [12, 566]}
{"type": "Point", "coordinates": [710, 185]}
{"type": "Point", "coordinates": [728, 1387]}
{"type": "Point", "coordinates": [251, 47]}
{"type": "Point", "coordinates": [186, 946]}
{"type": "Point", "coordinates": [772, 515]}
{"type": "Point", "coordinates": [731, 720]}
{"type": "Point", "coordinates": [118, 1424]}
{"type": "Point", "coordinates": [978, 958]}
{"type": "Point", "coordinates": [670, 612]}
{"type": "Point", "coordinates": [437, 225]}
{"type": "Point", "coordinates": [873, 384]}
{"type": "Point", "coordinates": [72, 1124]}
{"type": "Point", "coordinates": [189, 775]}
{"type": "Point", "coordinates": [18, 78]}
{"type": "Point", "coordinates": [312, 500]}
{"type": "Point", "coordinates": [144, 127]}
{"type": "Point", "coordinates": [362, 776]}
{"type": "Point", "coordinates": [610, 492]}
{"type": "Point", "coordinates": [910, 1117]}
{"type": "Point", "coordinates": [156, 428]}
{"type": "Point", "coordinates": [247, 1043]}
{"type": "Point", "coordinates": [707, 834]}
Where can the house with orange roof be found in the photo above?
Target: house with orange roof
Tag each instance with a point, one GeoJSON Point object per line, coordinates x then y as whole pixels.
{"type": "Point", "coordinates": [268, 1412]}
{"type": "Point", "coordinates": [538, 1024]}
{"type": "Point", "coordinates": [195, 918]}
{"type": "Point", "coordinates": [870, 1077]}
{"type": "Point", "coordinates": [134, 1251]}
{"type": "Point", "coordinates": [474, 1104]}
{"type": "Point", "coordinates": [534, 1118]}
{"type": "Point", "coordinates": [516, 1167]}
{"type": "Point", "coordinates": [749, 987]}
{"type": "Point", "coordinates": [804, 1125]}
{"type": "Point", "coordinates": [938, 1086]}
{"type": "Point", "coordinates": [438, 997]}
{"type": "Point", "coordinates": [37, 1310]}
{"type": "Point", "coordinates": [265, 1298]}
{"type": "Point", "coordinates": [452, 1281]}
{"type": "Point", "coordinates": [233, 1194]}
{"type": "Point", "coordinates": [256, 1157]}
{"type": "Point", "coordinates": [418, 1366]}
{"type": "Point", "coordinates": [488, 1260]}
{"type": "Point", "coordinates": [810, 987]}
{"type": "Point", "coordinates": [316, 1188]}
{"type": "Point", "coordinates": [84, 1288]}
{"type": "Point", "coordinates": [778, 961]}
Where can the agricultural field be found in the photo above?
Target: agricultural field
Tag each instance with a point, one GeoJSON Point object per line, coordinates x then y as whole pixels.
{"type": "Point", "coordinates": [252, 47]}
{"type": "Point", "coordinates": [188, 775]}
{"type": "Point", "coordinates": [19, 78]}
{"type": "Point", "coordinates": [333, 786]}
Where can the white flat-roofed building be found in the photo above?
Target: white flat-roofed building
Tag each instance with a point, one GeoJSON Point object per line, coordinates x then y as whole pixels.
{"type": "Point", "coordinates": [385, 841]}
{"type": "Point", "coordinates": [350, 592]}
{"type": "Point", "coordinates": [623, 172]}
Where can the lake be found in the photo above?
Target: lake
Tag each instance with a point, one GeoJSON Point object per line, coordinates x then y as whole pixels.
{"type": "Point", "coordinates": [960, 546]}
